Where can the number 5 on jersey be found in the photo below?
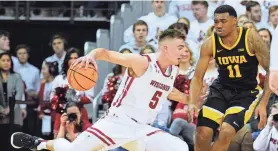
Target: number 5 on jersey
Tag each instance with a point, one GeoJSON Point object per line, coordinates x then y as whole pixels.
{"type": "Point", "coordinates": [155, 99]}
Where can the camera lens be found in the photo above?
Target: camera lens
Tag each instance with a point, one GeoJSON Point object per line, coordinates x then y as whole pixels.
{"type": "Point", "coordinates": [275, 117]}
{"type": "Point", "coordinates": [72, 117]}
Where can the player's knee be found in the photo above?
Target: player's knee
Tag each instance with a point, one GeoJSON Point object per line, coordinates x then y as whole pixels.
{"type": "Point", "coordinates": [227, 132]}
{"type": "Point", "coordinates": [203, 134]}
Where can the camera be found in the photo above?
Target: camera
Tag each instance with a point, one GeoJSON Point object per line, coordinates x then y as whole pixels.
{"type": "Point", "coordinates": [72, 117]}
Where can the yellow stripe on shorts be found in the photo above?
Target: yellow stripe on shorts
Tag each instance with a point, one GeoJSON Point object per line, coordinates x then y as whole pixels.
{"type": "Point", "coordinates": [212, 114]}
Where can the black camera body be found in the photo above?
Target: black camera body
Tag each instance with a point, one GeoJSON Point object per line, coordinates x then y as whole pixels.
{"type": "Point", "coordinates": [72, 117]}
{"type": "Point", "coordinates": [275, 118]}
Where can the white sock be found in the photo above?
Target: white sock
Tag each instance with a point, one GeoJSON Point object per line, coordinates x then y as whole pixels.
{"type": "Point", "coordinates": [42, 145]}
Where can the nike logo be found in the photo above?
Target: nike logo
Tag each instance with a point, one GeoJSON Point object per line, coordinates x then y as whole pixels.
{"type": "Point", "coordinates": [219, 50]}
{"type": "Point", "coordinates": [236, 124]}
{"type": "Point", "coordinates": [253, 91]}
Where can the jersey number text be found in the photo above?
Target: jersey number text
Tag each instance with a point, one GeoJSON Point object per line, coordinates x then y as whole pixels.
{"type": "Point", "coordinates": [153, 103]}
{"type": "Point", "coordinates": [234, 71]}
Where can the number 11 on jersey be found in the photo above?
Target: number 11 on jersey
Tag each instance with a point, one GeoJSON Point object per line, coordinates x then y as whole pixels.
{"type": "Point", "coordinates": [155, 99]}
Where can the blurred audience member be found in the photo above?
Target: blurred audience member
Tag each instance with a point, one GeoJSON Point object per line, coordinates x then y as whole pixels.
{"type": "Point", "coordinates": [61, 83]}
{"type": "Point", "coordinates": [266, 36]}
{"type": "Point", "coordinates": [31, 77]}
{"type": "Point", "coordinates": [147, 49]}
{"type": "Point", "coordinates": [140, 32]}
{"type": "Point", "coordinates": [200, 26]}
{"type": "Point", "coordinates": [181, 9]}
{"type": "Point", "coordinates": [58, 44]}
{"type": "Point", "coordinates": [254, 13]}
{"type": "Point", "coordinates": [49, 71]}
{"type": "Point", "coordinates": [11, 85]}
{"type": "Point", "coordinates": [242, 141]}
{"type": "Point", "coordinates": [268, 137]}
{"type": "Point", "coordinates": [241, 20]}
{"type": "Point", "coordinates": [184, 21]}
{"type": "Point", "coordinates": [157, 21]}
{"type": "Point", "coordinates": [249, 24]}
{"type": "Point", "coordinates": [273, 17]}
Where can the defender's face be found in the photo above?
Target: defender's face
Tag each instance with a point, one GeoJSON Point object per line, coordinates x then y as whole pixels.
{"type": "Point", "coordinates": [224, 24]}
{"type": "Point", "coordinates": [175, 50]}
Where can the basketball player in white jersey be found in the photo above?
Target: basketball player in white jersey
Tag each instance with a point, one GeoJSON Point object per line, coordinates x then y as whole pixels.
{"type": "Point", "coordinates": [273, 75]}
{"type": "Point", "coordinates": [135, 105]}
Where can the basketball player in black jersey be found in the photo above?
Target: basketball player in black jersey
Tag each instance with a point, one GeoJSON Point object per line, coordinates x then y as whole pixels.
{"type": "Point", "coordinates": [235, 94]}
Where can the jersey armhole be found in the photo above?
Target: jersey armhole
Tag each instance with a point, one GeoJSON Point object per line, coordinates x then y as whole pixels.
{"type": "Point", "coordinates": [131, 73]}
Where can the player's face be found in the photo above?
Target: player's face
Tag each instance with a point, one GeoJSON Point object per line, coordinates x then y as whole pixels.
{"type": "Point", "coordinates": [45, 71]}
{"type": "Point", "coordinates": [4, 43]}
{"type": "Point", "coordinates": [58, 46]}
{"type": "Point", "coordinates": [73, 57]}
{"type": "Point", "coordinates": [224, 24]}
{"type": "Point", "coordinates": [22, 55]}
{"type": "Point", "coordinates": [256, 13]}
{"type": "Point", "coordinates": [140, 33]}
{"type": "Point", "coordinates": [274, 17]}
{"type": "Point", "coordinates": [175, 50]}
{"type": "Point", "coordinates": [5, 62]}
{"type": "Point", "coordinates": [185, 58]}
{"type": "Point", "coordinates": [75, 110]}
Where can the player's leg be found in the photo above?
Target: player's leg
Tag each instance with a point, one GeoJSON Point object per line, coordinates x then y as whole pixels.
{"type": "Point", "coordinates": [209, 118]}
{"type": "Point", "coordinates": [237, 115]}
{"type": "Point", "coordinates": [162, 141]}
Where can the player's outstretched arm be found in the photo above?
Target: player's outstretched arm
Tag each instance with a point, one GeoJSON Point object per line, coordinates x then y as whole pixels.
{"type": "Point", "coordinates": [136, 62]}
{"type": "Point", "coordinates": [257, 45]}
{"type": "Point", "coordinates": [202, 65]}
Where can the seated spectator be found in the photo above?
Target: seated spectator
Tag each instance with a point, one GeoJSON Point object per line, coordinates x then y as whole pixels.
{"type": "Point", "coordinates": [49, 71]}
{"type": "Point", "coordinates": [241, 20]}
{"type": "Point", "coordinates": [184, 21]}
{"type": "Point", "coordinates": [267, 139]}
{"type": "Point", "coordinates": [254, 14]}
{"type": "Point", "coordinates": [140, 32]}
{"type": "Point", "coordinates": [147, 49]}
{"type": "Point", "coordinates": [249, 24]}
{"type": "Point", "coordinates": [266, 36]}
{"type": "Point", "coordinates": [11, 85]}
{"type": "Point", "coordinates": [273, 18]}
{"type": "Point", "coordinates": [61, 90]}
{"type": "Point", "coordinates": [157, 21]}
{"type": "Point", "coordinates": [242, 141]}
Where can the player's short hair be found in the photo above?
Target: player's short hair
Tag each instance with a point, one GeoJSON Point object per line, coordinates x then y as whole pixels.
{"type": "Point", "coordinates": [139, 22]}
{"type": "Point", "coordinates": [272, 9]}
{"type": "Point", "coordinates": [196, 2]}
{"type": "Point", "coordinates": [226, 9]}
{"type": "Point", "coordinates": [24, 46]}
{"type": "Point", "coordinates": [4, 33]}
{"type": "Point", "coordinates": [251, 4]}
{"type": "Point", "coordinates": [179, 26]}
{"type": "Point", "coordinates": [269, 33]}
{"type": "Point", "coordinates": [171, 34]}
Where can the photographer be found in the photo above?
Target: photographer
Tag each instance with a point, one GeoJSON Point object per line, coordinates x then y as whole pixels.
{"type": "Point", "coordinates": [71, 122]}
{"type": "Point", "coordinates": [268, 138]}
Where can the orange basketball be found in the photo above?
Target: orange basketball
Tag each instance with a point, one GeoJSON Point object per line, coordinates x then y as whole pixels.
{"type": "Point", "coordinates": [82, 79]}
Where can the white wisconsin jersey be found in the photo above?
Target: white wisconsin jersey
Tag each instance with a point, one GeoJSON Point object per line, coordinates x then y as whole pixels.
{"type": "Point", "coordinates": [141, 98]}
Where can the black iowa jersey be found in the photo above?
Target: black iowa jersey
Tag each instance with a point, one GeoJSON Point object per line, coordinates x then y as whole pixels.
{"type": "Point", "coordinates": [237, 66]}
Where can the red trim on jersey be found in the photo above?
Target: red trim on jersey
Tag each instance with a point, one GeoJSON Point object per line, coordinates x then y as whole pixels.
{"type": "Point", "coordinates": [95, 134]}
{"type": "Point", "coordinates": [100, 132]}
{"type": "Point", "coordinates": [154, 132]}
{"type": "Point", "coordinates": [162, 70]}
{"type": "Point", "coordinates": [125, 90]}
{"type": "Point", "coordinates": [117, 102]}
{"type": "Point", "coordinates": [148, 57]}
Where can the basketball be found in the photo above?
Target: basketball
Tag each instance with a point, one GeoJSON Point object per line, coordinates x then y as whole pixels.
{"type": "Point", "coordinates": [82, 79]}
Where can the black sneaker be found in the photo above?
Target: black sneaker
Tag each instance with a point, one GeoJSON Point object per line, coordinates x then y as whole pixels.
{"type": "Point", "coordinates": [22, 140]}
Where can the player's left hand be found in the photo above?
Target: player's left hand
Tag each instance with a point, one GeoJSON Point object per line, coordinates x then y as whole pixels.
{"type": "Point", "coordinates": [261, 111]}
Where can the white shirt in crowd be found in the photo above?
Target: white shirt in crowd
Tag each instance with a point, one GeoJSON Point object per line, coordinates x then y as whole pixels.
{"type": "Point", "coordinates": [47, 91]}
{"type": "Point", "coordinates": [267, 139]}
{"type": "Point", "coordinates": [155, 24]}
{"type": "Point", "coordinates": [30, 75]}
{"type": "Point", "coordinates": [240, 9]}
{"type": "Point", "coordinates": [212, 7]}
{"type": "Point", "coordinates": [210, 76]}
{"type": "Point", "coordinates": [198, 30]}
{"type": "Point", "coordinates": [194, 48]}
{"type": "Point", "coordinates": [181, 9]}
{"type": "Point", "coordinates": [274, 50]}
